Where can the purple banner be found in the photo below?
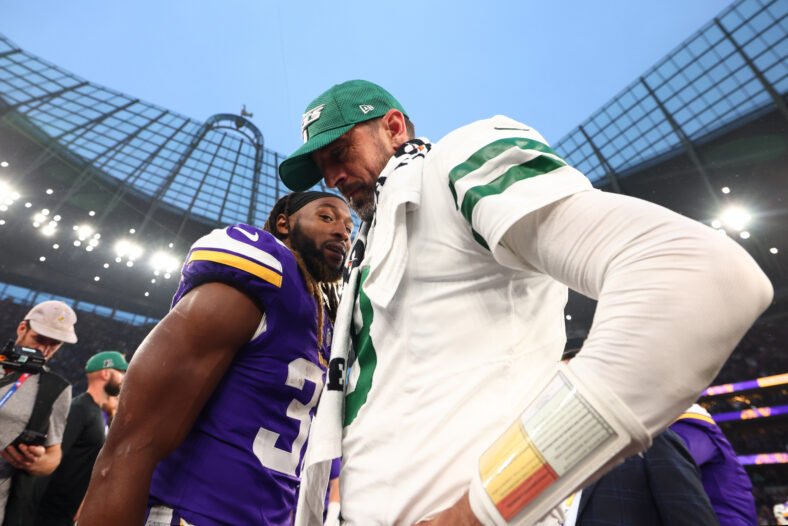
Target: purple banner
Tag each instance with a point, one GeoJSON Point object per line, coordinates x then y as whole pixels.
{"type": "Point", "coordinates": [766, 381]}
{"type": "Point", "coordinates": [764, 458]}
{"type": "Point", "coordinates": [749, 414]}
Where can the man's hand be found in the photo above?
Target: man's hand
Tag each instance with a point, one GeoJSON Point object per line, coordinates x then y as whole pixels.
{"type": "Point", "coordinates": [36, 460]}
{"type": "Point", "coordinates": [458, 515]}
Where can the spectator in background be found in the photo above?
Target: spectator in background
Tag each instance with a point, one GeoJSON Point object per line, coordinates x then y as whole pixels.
{"type": "Point", "coordinates": [34, 409]}
{"type": "Point", "coordinates": [724, 478]}
{"type": "Point", "coordinates": [62, 493]}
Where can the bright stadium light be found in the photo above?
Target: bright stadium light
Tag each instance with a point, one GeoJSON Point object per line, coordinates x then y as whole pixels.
{"type": "Point", "coordinates": [736, 218]}
{"type": "Point", "coordinates": [49, 229]}
{"type": "Point", "coordinates": [4, 164]}
{"type": "Point", "coordinates": [773, 250]}
{"type": "Point", "coordinates": [744, 234]}
{"type": "Point", "coordinates": [716, 223]}
{"type": "Point", "coordinates": [164, 262]}
{"type": "Point", "coordinates": [128, 250]}
{"type": "Point", "coordinates": [7, 193]}
{"type": "Point", "coordinates": [84, 232]}
{"type": "Point", "coordinates": [726, 190]}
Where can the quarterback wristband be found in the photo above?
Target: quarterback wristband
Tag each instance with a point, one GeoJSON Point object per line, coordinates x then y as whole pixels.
{"type": "Point", "coordinates": [569, 432]}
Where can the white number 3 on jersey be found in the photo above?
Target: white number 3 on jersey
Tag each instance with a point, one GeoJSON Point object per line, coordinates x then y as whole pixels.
{"type": "Point", "coordinates": [264, 447]}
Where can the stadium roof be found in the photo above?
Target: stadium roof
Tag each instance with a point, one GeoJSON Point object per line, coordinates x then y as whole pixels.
{"type": "Point", "coordinates": [98, 177]}
{"type": "Point", "coordinates": [218, 172]}
{"type": "Point", "coordinates": [730, 71]}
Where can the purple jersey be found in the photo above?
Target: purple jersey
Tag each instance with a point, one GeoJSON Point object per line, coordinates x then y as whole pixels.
{"type": "Point", "coordinates": [723, 476]}
{"type": "Point", "coordinates": [240, 463]}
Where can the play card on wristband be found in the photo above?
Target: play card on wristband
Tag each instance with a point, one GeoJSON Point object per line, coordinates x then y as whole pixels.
{"type": "Point", "coordinates": [568, 432]}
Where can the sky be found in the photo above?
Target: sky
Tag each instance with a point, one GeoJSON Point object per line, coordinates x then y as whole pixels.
{"type": "Point", "coordinates": [549, 64]}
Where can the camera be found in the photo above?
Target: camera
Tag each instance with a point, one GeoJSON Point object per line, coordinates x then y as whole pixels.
{"type": "Point", "coordinates": [22, 359]}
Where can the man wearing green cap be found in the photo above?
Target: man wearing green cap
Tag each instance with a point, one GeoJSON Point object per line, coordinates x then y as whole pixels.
{"type": "Point", "coordinates": [62, 492]}
{"type": "Point", "coordinates": [457, 321]}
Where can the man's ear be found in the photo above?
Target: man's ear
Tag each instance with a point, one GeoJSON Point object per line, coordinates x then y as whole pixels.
{"type": "Point", "coordinates": [393, 123]}
{"type": "Point", "coordinates": [283, 225]}
{"type": "Point", "coordinates": [21, 329]}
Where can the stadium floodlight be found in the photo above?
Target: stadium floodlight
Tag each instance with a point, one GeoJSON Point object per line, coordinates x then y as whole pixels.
{"type": "Point", "coordinates": [42, 258]}
{"type": "Point", "coordinates": [736, 218]}
{"type": "Point", "coordinates": [91, 213]}
{"type": "Point", "coordinates": [726, 190]}
{"type": "Point", "coordinates": [773, 250]}
{"type": "Point", "coordinates": [164, 262]}
{"type": "Point", "coordinates": [126, 249]}
{"type": "Point", "coordinates": [7, 193]}
{"type": "Point", "coordinates": [28, 204]}
{"type": "Point", "coordinates": [50, 191]}
{"type": "Point", "coordinates": [84, 232]}
{"type": "Point", "coordinates": [49, 229]}
{"type": "Point", "coordinates": [4, 164]}
{"type": "Point", "coordinates": [744, 234]}
{"type": "Point", "coordinates": [39, 218]}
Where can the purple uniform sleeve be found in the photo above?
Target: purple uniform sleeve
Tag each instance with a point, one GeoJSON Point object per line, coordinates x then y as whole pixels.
{"type": "Point", "coordinates": [700, 445]}
{"type": "Point", "coordinates": [245, 257]}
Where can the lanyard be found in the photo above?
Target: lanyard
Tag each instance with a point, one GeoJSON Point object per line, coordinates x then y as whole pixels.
{"type": "Point", "coordinates": [13, 389]}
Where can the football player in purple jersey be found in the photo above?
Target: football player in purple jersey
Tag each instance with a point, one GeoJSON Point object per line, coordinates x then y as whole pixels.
{"type": "Point", "coordinates": [218, 399]}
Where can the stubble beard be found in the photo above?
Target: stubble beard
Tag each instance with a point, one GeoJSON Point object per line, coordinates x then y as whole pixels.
{"type": "Point", "coordinates": [313, 257]}
{"type": "Point", "coordinates": [112, 389]}
{"type": "Point", "coordinates": [364, 203]}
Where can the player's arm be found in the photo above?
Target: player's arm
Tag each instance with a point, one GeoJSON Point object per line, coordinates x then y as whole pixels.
{"type": "Point", "coordinates": [674, 299]}
{"type": "Point", "coordinates": [169, 380]}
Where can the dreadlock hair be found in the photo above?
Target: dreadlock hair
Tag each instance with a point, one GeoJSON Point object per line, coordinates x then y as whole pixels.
{"type": "Point", "coordinates": [326, 294]}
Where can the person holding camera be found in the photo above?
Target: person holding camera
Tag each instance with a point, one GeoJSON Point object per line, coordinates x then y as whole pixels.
{"type": "Point", "coordinates": [34, 404]}
{"type": "Point", "coordinates": [58, 496]}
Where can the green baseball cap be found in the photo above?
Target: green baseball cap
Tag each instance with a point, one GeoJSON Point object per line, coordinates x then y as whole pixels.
{"type": "Point", "coordinates": [106, 360]}
{"type": "Point", "coordinates": [326, 119]}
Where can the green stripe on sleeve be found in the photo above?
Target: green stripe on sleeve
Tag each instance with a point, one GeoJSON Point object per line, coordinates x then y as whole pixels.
{"type": "Point", "coordinates": [490, 151]}
{"type": "Point", "coordinates": [538, 166]}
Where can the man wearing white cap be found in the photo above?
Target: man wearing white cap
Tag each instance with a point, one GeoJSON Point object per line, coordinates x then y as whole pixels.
{"type": "Point", "coordinates": [34, 405]}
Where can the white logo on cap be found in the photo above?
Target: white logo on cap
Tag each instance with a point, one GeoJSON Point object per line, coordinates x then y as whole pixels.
{"type": "Point", "coordinates": [308, 118]}
{"type": "Point", "coordinates": [366, 108]}
{"type": "Point", "coordinates": [107, 363]}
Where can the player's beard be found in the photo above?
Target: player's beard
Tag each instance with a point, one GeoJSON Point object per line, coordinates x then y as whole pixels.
{"type": "Point", "coordinates": [111, 388]}
{"type": "Point", "coordinates": [313, 257]}
{"type": "Point", "coordinates": [361, 195]}
{"type": "Point", "coordinates": [363, 202]}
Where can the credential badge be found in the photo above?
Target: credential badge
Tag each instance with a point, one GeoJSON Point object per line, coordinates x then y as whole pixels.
{"type": "Point", "coordinates": [308, 118]}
